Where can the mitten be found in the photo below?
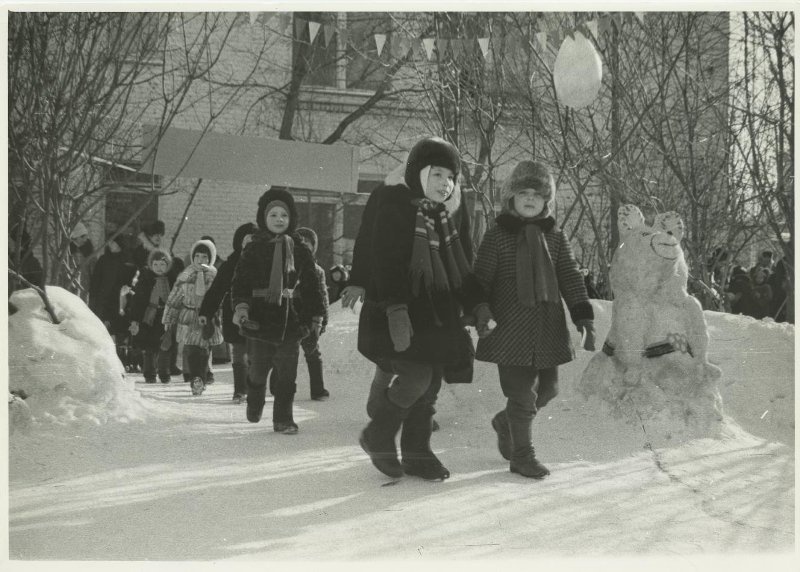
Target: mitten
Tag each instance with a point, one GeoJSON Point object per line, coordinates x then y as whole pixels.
{"type": "Point", "coordinates": [208, 329]}
{"type": "Point", "coordinates": [241, 313]}
{"type": "Point", "coordinates": [484, 320]}
{"type": "Point", "coordinates": [166, 339]}
{"type": "Point", "coordinates": [134, 328]}
{"type": "Point", "coordinates": [586, 328]}
{"type": "Point", "coordinates": [399, 326]}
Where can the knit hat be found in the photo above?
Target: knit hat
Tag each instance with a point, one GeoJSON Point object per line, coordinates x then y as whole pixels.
{"type": "Point", "coordinates": [241, 232]}
{"type": "Point", "coordinates": [529, 175]}
{"type": "Point", "coordinates": [431, 151]}
{"type": "Point", "coordinates": [309, 236]}
{"type": "Point", "coordinates": [276, 196]}
{"type": "Point", "coordinates": [159, 254]}
{"type": "Point", "coordinates": [79, 230]}
{"type": "Point", "coordinates": [155, 227]}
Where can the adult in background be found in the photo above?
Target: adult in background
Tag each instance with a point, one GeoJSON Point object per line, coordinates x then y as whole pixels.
{"type": "Point", "coordinates": [113, 270]}
{"type": "Point", "coordinates": [81, 249]}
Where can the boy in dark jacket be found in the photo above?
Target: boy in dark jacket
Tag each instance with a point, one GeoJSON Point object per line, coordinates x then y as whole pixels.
{"type": "Point", "coordinates": [275, 295]}
{"type": "Point", "coordinates": [220, 293]}
{"type": "Point", "coordinates": [147, 309]}
{"type": "Point", "coordinates": [410, 323]}
{"type": "Point", "coordinates": [525, 265]}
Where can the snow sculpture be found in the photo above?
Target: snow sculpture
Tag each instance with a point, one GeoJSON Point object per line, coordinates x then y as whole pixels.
{"type": "Point", "coordinates": [654, 368]}
{"type": "Point", "coordinates": [577, 72]}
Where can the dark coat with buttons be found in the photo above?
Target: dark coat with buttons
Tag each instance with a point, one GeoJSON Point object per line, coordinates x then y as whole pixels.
{"type": "Point", "coordinates": [535, 336]}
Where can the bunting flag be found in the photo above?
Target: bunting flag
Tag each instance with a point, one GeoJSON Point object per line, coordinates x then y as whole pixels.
{"type": "Point", "coordinates": [591, 25]}
{"type": "Point", "coordinates": [541, 38]}
{"type": "Point", "coordinates": [299, 27]}
{"type": "Point", "coordinates": [313, 28]}
{"type": "Point", "coordinates": [328, 31]}
{"type": "Point", "coordinates": [428, 43]}
{"type": "Point", "coordinates": [253, 17]}
{"type": "Point", "coordinates": [484, 45]}
{"type": "Point", "coordinates": [380, 40]}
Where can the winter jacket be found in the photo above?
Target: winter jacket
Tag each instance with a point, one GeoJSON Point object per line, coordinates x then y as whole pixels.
{"type": "Point", "coordinates": [149, 336]}
{"type": "Point", "coordinates": [220, 295]}
{"type": "Point", "coordinates": [183, 304]}
{"type": "Point", "coordinates": [438, 335]}
{"type": "Point", "coordinates": [290, 321]}
{"type": "Point", "coordinates": [528, 336]}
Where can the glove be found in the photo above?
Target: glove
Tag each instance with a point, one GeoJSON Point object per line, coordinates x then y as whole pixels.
{"type": "Point", "coordinates": [166, 339]}
{"type": "Point", "coordinates": [240, 314]}
{"type": "Point", "coordinates": [399, 326]}
{"type": "Point", "coordinates": [484, 320]}
{"type": "Point", "coordinates": [586, 328]}
{"type": "Point", "coordinates": [208, 328]}
{"type": "Point", "coordinates": [134, 328]}
{"type": "Point", "coordinates": [316, 326]}
{"type": "Point", "coordinates": [351, 295]}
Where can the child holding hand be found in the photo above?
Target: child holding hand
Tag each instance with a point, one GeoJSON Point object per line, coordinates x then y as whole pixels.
{"type": "Point", "coordinates": [525, 265]}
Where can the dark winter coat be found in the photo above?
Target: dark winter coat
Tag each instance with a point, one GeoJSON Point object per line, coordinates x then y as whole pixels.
{"type": "Point", "coordinates": [220, 294]}
{"type": "Point", "coordinates": [535, 336]}
{"type": "Point", "coordinates": [760, 301]}
{"type": "Point", "coordinates": [111, 272]}
{"type": "Point", "coordinates": [149, 336]}
{"type": "Point", "coordinates": [291, 320]}
{"type": "Point", "coordinates": [387, 269]}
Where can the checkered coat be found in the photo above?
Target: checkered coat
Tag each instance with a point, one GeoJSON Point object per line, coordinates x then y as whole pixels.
{"type": "Point", "coordinates": [528, 336]}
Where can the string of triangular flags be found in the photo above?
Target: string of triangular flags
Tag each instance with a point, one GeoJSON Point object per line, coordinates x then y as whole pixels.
{"type": "Point", "coordinates": [400, 44]}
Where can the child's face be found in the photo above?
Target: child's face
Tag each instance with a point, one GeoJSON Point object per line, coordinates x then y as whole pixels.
{"type": "Point", "coordinates": [336, 275]}
{"type": "Point", "coordinates": [159, 267]}
{"type": "Point", "coordinates": [200, 258]}
{"type": "Point", "coordinates": [441, 182]}
{"type": "Point", "coordinates": [529, 202]}
{"type": "Point", "coordinates": [309, 245]}
{"type": "Point", "coordinates": [277, 220]}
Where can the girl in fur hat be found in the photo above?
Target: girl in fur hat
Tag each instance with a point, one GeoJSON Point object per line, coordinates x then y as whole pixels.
{"type": "Point", "coordinates": [182, 313]}
{"type": "Point", "coordinates": [410, 324]}
{"type": "Point", "coordinates": [525, 265]}
{"type": "Point", "coordinates": [277, 301]}
{"type": "Point", "coordinates": [146, 312]}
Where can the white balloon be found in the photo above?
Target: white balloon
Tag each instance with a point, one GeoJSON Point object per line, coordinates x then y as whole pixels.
{"type": "Point", "coordinates": [578, 72]}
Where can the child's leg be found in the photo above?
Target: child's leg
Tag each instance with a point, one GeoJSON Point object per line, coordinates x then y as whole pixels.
{"type": "Point", "coordinates": [546, 386]}
{"type": "Point", "coordinates": [380, 382]}
{"type": "Point", "coordinates": [285, 376]}
{"type": "Point", "coordinates": [197, 365]}
{"type": "Point", "coordinates": [239, 366]}
{"type": "Point", "coordinates": [163, 362]}
{"type": "Point", "coordinates": [260, 354]}
{"type": "Point", "coordinates": [415, 438]}
{"type": "Point", "coordinates": [313, 357]}
{"type": "Point", "coordinates": [149, 365]}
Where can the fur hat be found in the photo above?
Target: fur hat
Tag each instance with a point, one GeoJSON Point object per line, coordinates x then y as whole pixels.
{"type": "Point", "coordinates": [309, 236]}
{"type": "Point", "coordinates": [530, 175]}
{"type": "Point", "coordinates": [431, 151]}
{"type": "Point", "coordinates": [155, 227]}
{"type": "Point", "coordinates": [204, 246]}
{"type": "Point", "coordinates": [241, 232]}
{"type": "Point", "coordinates": [279, 196]}
{"type": "Point", "coordinates": [159, 254]}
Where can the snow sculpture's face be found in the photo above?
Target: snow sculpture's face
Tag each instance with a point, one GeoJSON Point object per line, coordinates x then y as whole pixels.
{"type": "Point", "coordinates": [649, 258]}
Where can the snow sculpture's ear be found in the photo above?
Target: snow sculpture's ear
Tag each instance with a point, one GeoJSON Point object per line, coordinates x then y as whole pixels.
{"type": "Point", "coordinates": [671, 223]}
{"type": "Point", "coordinates": [629, 217]}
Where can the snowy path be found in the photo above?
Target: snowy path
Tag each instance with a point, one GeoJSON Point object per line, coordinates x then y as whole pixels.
{"type": "Point", "coordinates": [196, 481]}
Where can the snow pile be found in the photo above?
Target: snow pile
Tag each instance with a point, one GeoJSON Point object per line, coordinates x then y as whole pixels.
{"type": "Point", "coordinates": [69, 371]}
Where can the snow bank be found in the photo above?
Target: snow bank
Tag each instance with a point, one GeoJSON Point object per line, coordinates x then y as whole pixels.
{"type": "Point", "coordinates": [70, 371]}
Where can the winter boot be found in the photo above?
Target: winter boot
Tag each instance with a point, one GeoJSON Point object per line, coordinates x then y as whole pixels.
{"type": "Point", "coordinates": [239, 381]}
{"type": "Point", "coordinates": [255, 402]}
{"type": "Point", "coordinates": [282, 419]}
{"type": "Point", "coordinates": [523, 457]}
{"type": "Point", "coordinates": [415, 444]}
{"type": "Point", "coordinates": [318, 391]}
{"type": "Point", "coordinates": [198, 386]}
{"type": "Point", "coordinates": [377, 438]}
{"type": "Point", "coordinates": [500, 425]}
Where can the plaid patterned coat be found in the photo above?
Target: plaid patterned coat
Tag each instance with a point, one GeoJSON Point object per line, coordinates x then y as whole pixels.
{"type": "Point", "coordinates": [528, 336]}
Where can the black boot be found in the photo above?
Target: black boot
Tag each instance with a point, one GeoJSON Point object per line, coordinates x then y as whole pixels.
{"type": "Point", "coordinates": [415, 444]}
{"type": "Point", "coordinates": [318, 391]}
{"type": "Point", "coordinates": [523, 457]}
{"type": "Point", "coordinates": [377, 438]}
{"type": "Point", "coordinates": [239, 380]}
{"type": "Point", "coordinates": [255, 402]}
{"type": "Point", "coordinates": [500, 425]}
{"type": "Point", "coordinates": [282, 417]}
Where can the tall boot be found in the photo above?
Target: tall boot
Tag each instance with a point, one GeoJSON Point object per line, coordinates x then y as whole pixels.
{"type": "Point", "coordinates": [415, 444]}
{"type": "Point", "coordinates": [500, 425]}
{"type": "Point", "coordinates": [523, 456]}
{"type": "Point", "coordinates": [282, 416]}
{"type": "Point", "coordinates": [239, 380]}
{"type": "Point", "coordinates": [255, 402]}
{"type": "Point", "coordinates": [318, 391]}
{"type": "Point", "coordinates": [377, 438]}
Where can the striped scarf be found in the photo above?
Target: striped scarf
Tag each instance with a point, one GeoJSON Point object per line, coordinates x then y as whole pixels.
{"type": "Point", "coordinates": [281, 266]}
{"type": "Point", "coordinates": [439, 265]}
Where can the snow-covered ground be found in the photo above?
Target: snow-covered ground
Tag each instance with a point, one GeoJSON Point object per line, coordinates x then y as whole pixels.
{"type": "Point", "coordinates": [113, 469]}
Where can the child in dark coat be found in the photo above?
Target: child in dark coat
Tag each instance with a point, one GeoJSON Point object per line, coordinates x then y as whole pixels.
{"type": "Point", "coordinates": [410, 323]}
{"type": "Point", "coordinates": [220, 293]}
{"type": "Point", "coordinates": [276, 298]}
{"type": "Point", "coordinates": [525, 265]}
{"type": "Point", "coordinates": [146, 312]}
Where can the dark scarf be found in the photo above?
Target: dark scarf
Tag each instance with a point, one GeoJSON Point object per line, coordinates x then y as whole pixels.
{"type": "Point", "coordinates": [282, 244]}
{"type": "Point", "coordinates": [536, 275]}
{"type": "Point", "coordinates": [158, 297]}
{"type": "Point", "coordinates": [427, 251]}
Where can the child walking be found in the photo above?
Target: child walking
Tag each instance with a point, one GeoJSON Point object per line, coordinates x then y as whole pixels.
{"type": "Point", "coordinates": [183, 313]}
{"type": "Point", "coordinates": [277, 301]}
{"type": "Point", "coordinates": [525, 265]}
{"type": "Point", "coordinates": [146, 312]}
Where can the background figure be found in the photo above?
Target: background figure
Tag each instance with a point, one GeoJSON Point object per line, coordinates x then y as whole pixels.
{"type": "Point", "coordinates": [310, 343]}
{"type": "Point", "coordinates": [337, 280]}
{"type": "Point", "coordinates": [739, 291]}
{"type": "Point", "coordinates": [760, 301]}
{"type": "Point", "coordinates": [782, 295]}
{"type": "Point", "coordinates": [81, 249]}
